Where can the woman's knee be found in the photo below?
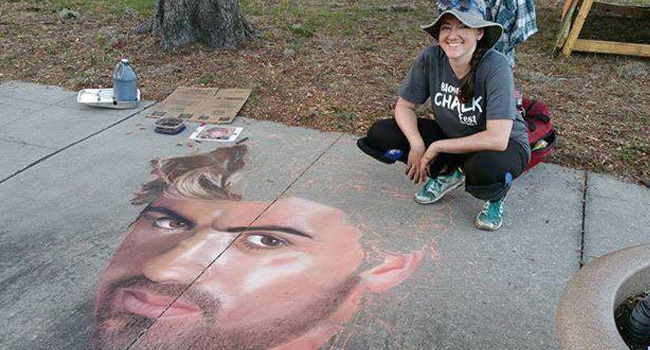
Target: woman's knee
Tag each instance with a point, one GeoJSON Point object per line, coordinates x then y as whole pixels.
{"type": "Point", "coordinates": [484, 176]}
{"type": "Point", "coordinates": [384, 132]}
{"type": "Point", "coordinates": [487, 181]}
{"type": "Point", "coordinates": [485, 170]}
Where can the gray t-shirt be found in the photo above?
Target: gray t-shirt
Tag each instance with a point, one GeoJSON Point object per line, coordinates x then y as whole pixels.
{"type": "Point", "coordinates": [494, 94]}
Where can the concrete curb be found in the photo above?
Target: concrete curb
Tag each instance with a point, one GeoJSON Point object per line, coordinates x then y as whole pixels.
{"type": "Point", "coordinates": [585, 315]}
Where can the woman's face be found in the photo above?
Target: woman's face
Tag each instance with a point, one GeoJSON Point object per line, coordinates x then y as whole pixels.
{"type": "Point", "coordinates": [458, 40]}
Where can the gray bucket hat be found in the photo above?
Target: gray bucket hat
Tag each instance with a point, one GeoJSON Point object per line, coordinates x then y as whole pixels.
{"type": "Point", "coordinates": [472, 14]}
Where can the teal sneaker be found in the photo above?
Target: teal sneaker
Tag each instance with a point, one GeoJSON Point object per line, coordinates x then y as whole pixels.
{"type": "Point", "coordinates": [491, 217]}
{"type": "Point", "coordinates": [436, 188]}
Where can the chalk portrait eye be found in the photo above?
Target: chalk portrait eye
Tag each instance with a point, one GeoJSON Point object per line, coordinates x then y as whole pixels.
{"type": "Point", "coordinates": [167, 223]}
{"type": "Point", "coordinates": [263, 241]}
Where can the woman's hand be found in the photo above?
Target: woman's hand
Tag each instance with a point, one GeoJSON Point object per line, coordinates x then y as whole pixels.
{"type": "Point", "coordinates": [423, 166]}
{"type": "Point", "coordinates": [413, 163]}
{"type": "Point", "coordinates": [408, 123]}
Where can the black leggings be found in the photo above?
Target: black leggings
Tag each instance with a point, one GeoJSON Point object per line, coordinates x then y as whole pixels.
{"type": "Point", "coordinates": [486, 172]}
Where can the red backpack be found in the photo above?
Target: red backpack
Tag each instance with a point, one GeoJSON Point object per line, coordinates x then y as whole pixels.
{"type": "Point", "coordinates": [541, 134]}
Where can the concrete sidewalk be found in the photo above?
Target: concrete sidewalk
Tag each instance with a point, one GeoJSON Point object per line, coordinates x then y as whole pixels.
{"type": "Point", "coordinates": [67, 174]}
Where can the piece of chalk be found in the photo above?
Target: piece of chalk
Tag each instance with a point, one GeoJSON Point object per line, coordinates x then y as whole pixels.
{"type": "Point", "coordinates": [242, 140]}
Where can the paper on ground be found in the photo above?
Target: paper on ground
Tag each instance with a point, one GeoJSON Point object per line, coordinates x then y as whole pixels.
{"type": "Point", "coordinates": [216, 133]}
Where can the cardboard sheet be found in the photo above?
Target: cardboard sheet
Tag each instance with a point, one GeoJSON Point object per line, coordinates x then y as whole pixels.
{"type": "Point", "coordinates": [209, 105]}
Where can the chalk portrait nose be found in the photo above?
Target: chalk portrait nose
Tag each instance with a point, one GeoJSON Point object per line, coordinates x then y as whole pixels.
{"type": "Point", "coordinates": [185, 261]}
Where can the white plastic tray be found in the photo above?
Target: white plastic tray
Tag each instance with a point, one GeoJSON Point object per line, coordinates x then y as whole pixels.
{"type": "Point", "coordinates": [104, 98]}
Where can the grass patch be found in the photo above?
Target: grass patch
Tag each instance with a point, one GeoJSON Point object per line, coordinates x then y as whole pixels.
{"type": "Point", "coordinates": [296, 46]}
{"type": "Point", "coordinates": [117, 7]}
{"type": "Point", "coordinates": [8, 59]}
{"type": "Point", "coordinates": [253, 8]}
{"type": "Point", "coordinates": [206, 79]}
{"type": "Point", "coordinates": [49, 50]}
{"type": "Point", "coordinates": [342, 118]}
{"type": "Point", "coordinates": [144, 7]}
{"type": "Point", "coordinates": [299, 30]}
{"type": "Point", "coordinates": [307, 20]}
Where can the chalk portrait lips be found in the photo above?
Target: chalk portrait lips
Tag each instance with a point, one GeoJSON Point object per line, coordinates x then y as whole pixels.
{"type": "Point", "coordinates": [150, 304]}
{"type": "Point", "coordinates": [138, 296]}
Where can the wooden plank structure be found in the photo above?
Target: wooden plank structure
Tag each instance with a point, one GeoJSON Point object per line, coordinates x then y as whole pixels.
{"type": "Point", "coordinates": [568, 41]}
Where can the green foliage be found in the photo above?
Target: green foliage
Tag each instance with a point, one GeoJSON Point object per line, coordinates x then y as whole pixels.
{"type": "Point", "coordinates": [144, 7]}
{"type": "Point", "coordinates": [253, 8]}
{"type": "Point", "coordinates": [300, 30]}
{"type": "Point", "coordinates": [206, 79]}
{"type": "Point", "coordinates": [101, 40]}
{"type": "Point", "coordinates": [49, 49]}
{"type": "Point", "coordinates": [296, 46]}
{"type": "Point", "coordinates": [93, 60]}
{"type": "Point", "coordinates": [366, 47]}
{"type": "Point", "coordinates": [8, 58]}
{"type": "Point", "coordinates": [342, 118]}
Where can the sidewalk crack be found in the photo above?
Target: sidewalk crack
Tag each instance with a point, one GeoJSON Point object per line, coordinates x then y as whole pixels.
{"type": "Point", "coordinates": [50, 155]}
{"type": "Point", "coordinates": [585, 188]}
{"type": "Point", "coordinates": [23, 143]}
{"type": "Point", "coordinates": [301, 174]}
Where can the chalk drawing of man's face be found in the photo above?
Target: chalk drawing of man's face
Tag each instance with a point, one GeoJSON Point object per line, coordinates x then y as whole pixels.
{"type": "Point", "coordinates": [288, 278]}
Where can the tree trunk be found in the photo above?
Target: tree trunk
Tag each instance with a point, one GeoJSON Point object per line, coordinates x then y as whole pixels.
{"type": "Point", "coordinates": [218, 23]}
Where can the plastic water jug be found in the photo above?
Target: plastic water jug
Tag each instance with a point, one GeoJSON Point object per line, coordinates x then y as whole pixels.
{"type": "Point", "coordinates": [125, 82]}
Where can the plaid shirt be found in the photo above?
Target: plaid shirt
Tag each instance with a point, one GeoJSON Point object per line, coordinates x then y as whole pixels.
{"type": "Point", "coordinates": [518, 20]}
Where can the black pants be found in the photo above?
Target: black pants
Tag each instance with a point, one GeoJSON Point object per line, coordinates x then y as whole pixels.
{"type": "Point", "coordinates": [488, 174]}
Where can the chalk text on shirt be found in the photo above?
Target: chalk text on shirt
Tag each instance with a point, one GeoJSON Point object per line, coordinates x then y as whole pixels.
{"type": "Point", "coordinates": [448, 98]}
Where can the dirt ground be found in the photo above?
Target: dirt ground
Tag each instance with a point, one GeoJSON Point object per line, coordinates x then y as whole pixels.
{"type": "Point", "coordinates": [337, 66]}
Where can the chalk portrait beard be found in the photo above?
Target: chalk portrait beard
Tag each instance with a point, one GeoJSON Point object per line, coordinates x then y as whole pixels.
{"type": "Point", "coordinates": [115, 329]}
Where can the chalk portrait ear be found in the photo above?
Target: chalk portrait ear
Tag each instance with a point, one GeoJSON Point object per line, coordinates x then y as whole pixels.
{"type": "Point", "coordinates": [393, 271]}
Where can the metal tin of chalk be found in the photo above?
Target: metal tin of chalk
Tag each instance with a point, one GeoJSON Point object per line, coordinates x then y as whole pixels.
{"type": "Point", "coordinates": [170, 126]}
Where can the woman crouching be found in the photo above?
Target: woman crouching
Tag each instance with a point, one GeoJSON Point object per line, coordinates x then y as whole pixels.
{"type": "Point", "coordinates": [478, 137]}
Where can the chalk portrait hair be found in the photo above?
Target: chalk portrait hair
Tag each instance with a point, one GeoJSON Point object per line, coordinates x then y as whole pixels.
{"type": "Point", "coordinates": [205, 176]}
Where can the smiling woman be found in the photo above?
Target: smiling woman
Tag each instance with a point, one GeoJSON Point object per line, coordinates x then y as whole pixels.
{"type": "Point", "coordinates": [478, 137]}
